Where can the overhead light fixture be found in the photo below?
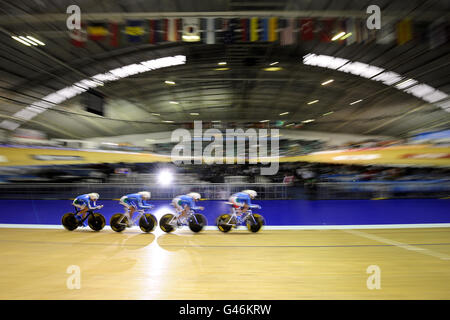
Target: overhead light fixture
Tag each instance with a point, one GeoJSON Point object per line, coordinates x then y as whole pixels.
{"type": "Point", "coordinates": [28, 40]}
{"type": "Point", "coordinates": [221, 69]}
{"type": "Point", "coordinates": [21, 41]}
{"type": "Point", "coordinates": [169, 82]}
{"type": "Point", "coordinates": [284, 113]}
{"type": "Point", "coordinates": [328, 113]}
{"type": "Point", "coordinates": [264, 120]}
{"type": "Point", "coordinates": [155, 114]}
{"type": "Point", "coordinates": [314, 101]}
{"type": "Point", "coordinates": [223, 63]}
{"type": "Point", "coordinates": [194, 114]}
{"type": "Point", "coordinates": [290, 124]}
{"type": "Point", "coordinates": [216, 121]}
{"type": "Point", "coordinates": [274, 63]}
{"type": "Point", "coordinates": [346, 36]}
{"type": "Point", "coordinates": [273, 69]}
{"type": "Point", "coordinates": [35, 40]}
{"type": "Point", "coordinates": [355, 102]}
{"type": "Point", "coordinates": [173, 102]}
{"type": "Point", "coordinates": [168, 121]}
{"type": "Point", "coordinates": [340, 34]}
{"type": "Point", "coordinates": [308, 121]}
{"type": "Point", "coordinates": [327, 82]}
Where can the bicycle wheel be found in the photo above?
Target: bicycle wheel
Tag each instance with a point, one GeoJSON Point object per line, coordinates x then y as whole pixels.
{"type": "Point", "coordinates": [147, 222]}
{"type": "Point", "coordinates": [254, 225]}
{"type": "Point", "coordinates": [196, 224]}
{"type": "Point", "coordinates": [222, 221]}
{"type": "Point", "coordinates": [164, 223]}
{"type": "Point", "coordinates": [114, 222]}
{"type": "Point", "coordinates": [96, 221]}
{"type": "Point", "coordinates": [69, 221]}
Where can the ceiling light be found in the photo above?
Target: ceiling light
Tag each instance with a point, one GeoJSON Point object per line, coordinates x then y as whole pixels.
{"type": "Point", "coordinates": [308, 121]}
{"type": "Point", "coordinates": [340, 34]}
{"type": "Point", "coordinates": [173, 102]}
{"type": "Point", "coordinates": [273, 69]}
{"type": "Point", "coordinates": [290, 124]}
{"type": "Point", "coordinates": [169, 82]}
{"type": "Point", "coordinates": [264, 120]}
{"type": "Point", "coordinates": [327, 82]}
{"type": "Point", "coordinates": [357, 101]}
{"type": "Point", "coordinates": [221, 69]}
{"type": "Point", "coordinates": [215, 121]}
{"type": "Point", "coordinates": [36, 40]}
{"type": "Point", "coordinates": [346, 36]}
{"type": "Point", "coordinates": [156, 114]}
{"type": "Point", "coordinates": [222, 63]}
{"type": "Point", "coordinates": [28, 40]}
{"type": "Point", "coordinates": [284, 113]}
{"type": "Point", "coordinates": [328, 113]}
{"type": "Point", "coordinates": [168, 121]}
{"type": "Point", "coordinates": [194, 114]}
{"type": "Point", "coordinates": [21, 41]}
{"type": "Point", "coordinates": [274, 63]}
{"type": "Point", "coordinates": [314, 101]}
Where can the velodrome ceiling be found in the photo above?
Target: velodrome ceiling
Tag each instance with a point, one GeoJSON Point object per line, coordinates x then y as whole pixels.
{"type": "Point", "coordinates": [243, 94]}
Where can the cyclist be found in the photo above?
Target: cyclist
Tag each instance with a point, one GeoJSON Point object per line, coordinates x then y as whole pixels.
{"type": "Point", "coordinates": [135, 201]}
{"type": "Point", "coordinates": [184, 204]}
{"type": "Point", "coordinates": [241, 201]}
{"type": "Point", "coordinates": [84, 203]}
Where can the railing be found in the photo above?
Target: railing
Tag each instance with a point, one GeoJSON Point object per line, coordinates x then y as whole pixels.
{"type": "Point", "coordinates": [213, 191]}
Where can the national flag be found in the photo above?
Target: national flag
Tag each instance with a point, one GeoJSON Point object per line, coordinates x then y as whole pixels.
{"type": "Point", "coordinates": [114, 34]}
{"type": "Point", "coordinates": [78, 37]}
{"type": "Point", "coordinates": [191, 29]}
{"type": "Point", "coordinates": [172, 29]}
{"type": "Point", "coordinates": [210, 31]}
{"type": "Point", "coordinates": [97, 31]}
{"type": "Point", "coordinates": [404, 31]}
{"type": "Point", "coordinates": [245, 29]}
{"type": "Point", "coordinates": [264, 29]}
{"type": "Point", "coordinates": [273, 29]}
{"type": "Point", "coordinates": [287, 32]}
{"type": "Point", "coordinates": [229, 27]}
{"type": "Point", "coordinates": [254, 28]}
{"type": "Point", "coordinates": [153, 32]}
{"type": "Point", "coordinates": [326, 30]}
{"type": "Point", "coordinates": [307, 29]}
{"type": "Point", "coordinates": [134, 30]}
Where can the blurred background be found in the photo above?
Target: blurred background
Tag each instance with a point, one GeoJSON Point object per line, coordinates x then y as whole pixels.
{"type": "Point", "coordinates": [361, 114]}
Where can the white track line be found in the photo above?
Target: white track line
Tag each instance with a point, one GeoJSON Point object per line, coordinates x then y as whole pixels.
{"type": "Point", "coordinates": [321, 227]}
{"type": "Point", "coordinates": [405, 246]}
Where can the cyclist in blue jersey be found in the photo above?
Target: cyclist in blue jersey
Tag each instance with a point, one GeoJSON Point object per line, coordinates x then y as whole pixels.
{"type": "Point", "coordinates": [184, 204]}
{"type": "Point", "coordinates": [242, 201]}
{"type": "Point", "coordinates": [86, 202]}
{"type": "Point", "coordinates": [135, 201]}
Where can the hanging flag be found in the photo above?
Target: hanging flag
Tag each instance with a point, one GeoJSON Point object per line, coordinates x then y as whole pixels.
{"type": "Point", "coordinates": [254, 29]}
{"type": "Point", "coordinates": [273, 29]}
{"type": "Point", "coordinates": [191, 29]}
{"type": "Point", "coordinates": [153, 33]}
{"type": "Point", "coordinates": [97, 31]}
{"type": "Point", "coordinates": [172, 29]}
{"type": "Point", "coordinates": [404, 31]}
{"type": "Point", "coordinates": [307, 29]}
{"type": "Point", "coordinates": [264, 28]}
{"type": "Point", "coordinates": [78, 37]}
{"type": "Point", "coordinates": [134, 30]}
{"type": "Point", "coordinates": [245, 30]}
{"type": "Point", "coordinates": [210, 33]}
{"type": "Point", "coordinates": [229, 27]}
{"type": "Point", "coordinates": [326, 30]}
{"type": "Point", "coordinates": [114, 34]}
{"type": "Point", "coordinates": [287, 32]}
